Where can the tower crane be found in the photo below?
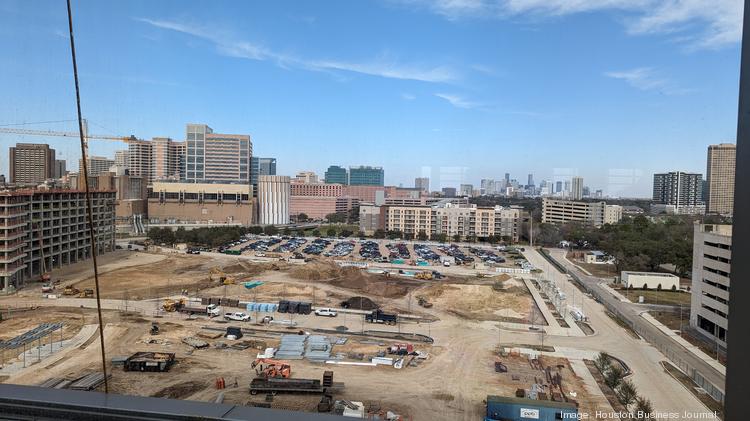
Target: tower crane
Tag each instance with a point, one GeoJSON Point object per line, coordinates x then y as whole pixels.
{"type": "Point", "coordinates": [86, 136]}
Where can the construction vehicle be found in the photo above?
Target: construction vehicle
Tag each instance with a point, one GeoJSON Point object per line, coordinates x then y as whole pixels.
{"type": "Point", "coordinates": [86, 293]}
{"type": "Point", "coordinates": [427, 276]}
{"type": "Point", "coordinates": [154, 328]}
{"type": "Point", "coordinates": [173, 305]}
{"type": "Point", "coordinates": [69, 290]}
{"type": "Point", "coordinates": [276, 385]}
{"type": "Point", "coordinates": [211, 310]}
{"type": "Point", "coordinates": [422, 301]}
{"type": "Point", "coordinates": [377, 316]}
{"type": "Point", "coordinates": [219, 275]}
{"type": "Point", "coordinates": [401, 349]}
{"type": "Point", "coordinates": [47, 288]}
{"type": "Point", "coordinates": [269, 368]}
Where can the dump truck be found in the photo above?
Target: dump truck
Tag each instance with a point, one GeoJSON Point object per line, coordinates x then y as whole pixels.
{"type": "Point", "coordinates": [281, 385]}
{"type": "Point", "coordinates": [69, 290]}
{"type": "Point", "coordinates": [378, 316]}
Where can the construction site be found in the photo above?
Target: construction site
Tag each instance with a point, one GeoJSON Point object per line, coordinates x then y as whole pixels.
{"type": "Point", "coordinates": [342, 336]}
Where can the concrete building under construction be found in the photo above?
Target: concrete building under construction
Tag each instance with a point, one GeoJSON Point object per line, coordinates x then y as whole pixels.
{"type": "Point", "coordinates": [41, 230]}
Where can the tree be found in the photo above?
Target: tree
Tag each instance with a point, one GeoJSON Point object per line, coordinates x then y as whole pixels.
{"type": "Point", "coordinates": [422, 236]}
{"type": "Point", "coordinates": [395, 234]}
{"type": "Point", "coordinates": [346, 233]}
{"type": "Point", "coordinates": [456, 237]}
{"type": "Point", "coordinates": [286, 231]}
{"type": "Point", "coordinates": [302, 217]}
{"type": "Point", "coordinates": [161, 235]}
{"type": "Point", "coordinates": [331, 232]}
{"type": "Point", "coordinates": [643, 409]}
{"type": "Point", "coordinates": [613, 377]}
{"type": "Point", "coordinates": [627, 393]}
{"type": "Point", "coordinates": [336, 218]}
{"type": "Point", "coordinates": [316, 232]}
{"type": "Point", "coordinates": [361, 234]}
{"type": "Point", "coordinates": [270, 230]}
{"type": "Point", "coordinates": [442, 237]}
{"type": "Point", "coordinates": [255, 229]}
{"type": "Point", "coordinates": [379, 233]}
{"type": "Point", "coordinates": [602, 362]}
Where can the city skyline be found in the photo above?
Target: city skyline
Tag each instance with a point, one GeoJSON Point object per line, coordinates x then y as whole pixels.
{"type": "Point", "coordinates": [669, 87]}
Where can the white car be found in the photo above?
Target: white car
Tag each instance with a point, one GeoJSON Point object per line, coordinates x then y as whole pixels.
{"type": "Point", "coordinates": [239, 316]}
{"type": "Point", "coordinates": [328, 312]}
{"type": "Point", "coordinates": [260, 254]}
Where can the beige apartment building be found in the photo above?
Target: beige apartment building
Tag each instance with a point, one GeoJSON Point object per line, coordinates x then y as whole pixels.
{"type": "Point", "coordinates": [712, 266]}
{"type": "Point", "coordinates": [558, 211]}
{"type": "Point", "coordinates": [720, 167]}
{"type": "Point", "coordinates": [41, 230]}
{"type": "Point", "coordinates": [445, 217]}
{"type": "Point", "coordinates": [168, 159]}
{"type": "Point", "coordinates": [200, 204]}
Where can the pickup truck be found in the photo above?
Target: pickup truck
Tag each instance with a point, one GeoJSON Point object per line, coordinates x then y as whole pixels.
{"type": "Point", "coordinates": [238, 316]}
{"type": "Point", "coordinates": [328, 312]}
{"type": "Point", "coordinates": [378, 316]}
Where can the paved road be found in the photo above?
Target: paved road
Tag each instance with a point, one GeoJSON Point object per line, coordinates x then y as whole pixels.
{"type": "Point", "coordinates": [631, 313]}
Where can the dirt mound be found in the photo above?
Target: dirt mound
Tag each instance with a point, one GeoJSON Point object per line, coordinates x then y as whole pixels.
{"type": "Point", "coordinates": [317, 271]}
{"type": "Point", "coordinates": [360, 303]}
{"type": "Point", "coordinates": [180, 390]}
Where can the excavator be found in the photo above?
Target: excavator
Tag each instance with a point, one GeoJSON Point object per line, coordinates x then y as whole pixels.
{"type": "Point", "coordinates": [220, 276]}
{"type": "Point", "coordinates": [269, 368]}
{"type": "Point", "coordinates": [423, 275]}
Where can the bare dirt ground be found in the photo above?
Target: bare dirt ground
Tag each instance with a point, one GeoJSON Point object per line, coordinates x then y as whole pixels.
{"type": "Point", "coordinates": [451, 384]}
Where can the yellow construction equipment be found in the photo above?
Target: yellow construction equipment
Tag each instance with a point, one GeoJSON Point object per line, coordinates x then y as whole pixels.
{"type": "Point", "coordinates": [172, 305]}
{"type": "Point", "coordinates": [423, 275]}
{"type": "Point", "coordinates": [69, 290]}
{"type": "Point", "coordinates": [86, 293]}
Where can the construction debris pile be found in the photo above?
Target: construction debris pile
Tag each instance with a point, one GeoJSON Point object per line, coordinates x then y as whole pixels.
{"type": "Point", "coordinates": [89, 381]}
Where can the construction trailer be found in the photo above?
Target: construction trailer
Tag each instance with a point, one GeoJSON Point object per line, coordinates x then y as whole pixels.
{"type": "Point", "coordinates": [150, 361]}
{"type": "Point", "coordinates": [507, 408]}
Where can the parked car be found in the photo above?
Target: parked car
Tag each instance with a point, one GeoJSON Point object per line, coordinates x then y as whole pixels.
{"type": "Point", "coordinates": [238, 316]}
{"type": "Point", "coordinates": [328, 312]}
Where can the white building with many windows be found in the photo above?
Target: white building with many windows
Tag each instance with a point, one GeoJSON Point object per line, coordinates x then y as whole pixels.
{"type": "Point", "coordinates": [712, 259]}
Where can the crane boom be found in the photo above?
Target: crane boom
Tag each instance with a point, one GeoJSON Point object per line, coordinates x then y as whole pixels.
{"type": "Point", "coordinates": [31, 132]}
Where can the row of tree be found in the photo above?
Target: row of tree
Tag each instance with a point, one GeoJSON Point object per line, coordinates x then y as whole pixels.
{"type": "Point", "coordinates": [625, 390]}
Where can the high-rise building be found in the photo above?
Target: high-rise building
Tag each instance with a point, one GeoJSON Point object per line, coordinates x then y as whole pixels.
{"type": "Point", "coordinates": [274, 193]}
{"type": "Point", "coordinates": [576, 192]}
{"type": "Point", "coordinates": [258, 167]}
{"type": "Point", "coordinates": [422, 183]}
{"type": "Point", "coordinates": [34, 219]}
{"type": "Point", "coordinates": [507, 178]}
{"type": "Point", "coordinates": [168, 159]}
{"type": "Point", "coordinates": [466, 190]}
{"type": "Point", "coordinates": [712, 261]}
{"type": "Point", "coordinates": [60, 168]}
{"type": "Point", "coordinates": [678, 192]}
{"type": "Point", "coordinates": [336, 175]}
{"type": "Point", "coordinates": [96, 165]}
{"type": "Point", "coordinates": [720, 178]}
{"type": "Point", "coordinates": [31, 163]}
{"type": "Point", "coordinates": [306, 177]}
{"type": "Point", "coordinates": [366, 176]}
{"type": "Point", "coordinates": [140, 159]}
{"type": "Point", "coordinates": [530, 182]}
{"type": "Point", "coordinates": [121, 158]}
{"type": "Point", "coordinates": [487, 186]}
{"type": "Point", "coordinates": [449, 192]}
{"type": "Point", "coordinates": [217, 158]}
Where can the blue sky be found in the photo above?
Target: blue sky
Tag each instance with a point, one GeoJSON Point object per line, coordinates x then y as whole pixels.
{"type": "Point", "coordinates": [459, 90]}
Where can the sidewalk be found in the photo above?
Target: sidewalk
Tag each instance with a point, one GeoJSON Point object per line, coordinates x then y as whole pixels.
{"type": "Point", "coordinates": [553, 326]}
{"type": "Point", "coordinates": [685, 344]}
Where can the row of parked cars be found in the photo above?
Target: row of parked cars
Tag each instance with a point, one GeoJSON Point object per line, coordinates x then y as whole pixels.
{"type": "Point", "coordinates": [425, 252]}
{"type": "Point", "coordinates": [455, 252]}
{"type": "Point", "coordinates": [316, 246]}
{"type": "Point", "coordinates": [398, 250]}
{"type": "Point", "coordinates": [370, 250]}
{"type": "Point", "coordinates": [291, 245]}
{"type": "Point", "coordinates": [487, 256]}
{"type": "Point", "coordinates": [340, 249]}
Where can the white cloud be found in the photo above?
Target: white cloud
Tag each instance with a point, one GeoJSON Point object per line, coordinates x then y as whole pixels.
{"type": "Point", "coordinates": [646, 79]}
{"type": "Point", "coordinates": [381, 66]}
{"type": "Point", "coordinates": [409, 97]}
{"type": "Point", "coordinates": [711, 23]}
{"type": "Point", "coordinates": [458, 101]}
